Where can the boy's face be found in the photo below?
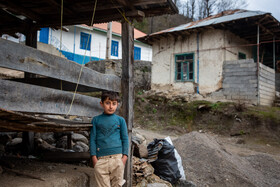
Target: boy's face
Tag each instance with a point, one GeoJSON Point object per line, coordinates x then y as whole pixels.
{"type": "Point", "coordinates": [109, 106]}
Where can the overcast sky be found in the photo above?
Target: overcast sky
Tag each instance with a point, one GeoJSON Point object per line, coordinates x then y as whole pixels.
{"type": "Point", "coordinates": [272, 6]}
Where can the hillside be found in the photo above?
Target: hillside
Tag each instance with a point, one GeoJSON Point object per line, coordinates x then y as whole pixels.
{"type": "Point", "coordinates": [176, 116]}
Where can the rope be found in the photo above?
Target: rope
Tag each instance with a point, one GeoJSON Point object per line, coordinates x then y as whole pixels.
{"type": "Point", "coordinates": [83, 64]}
{"type": "Point", "coordinates": [122, 13]}
{"type": "Point", "coordinates": [82, 67]}
{"type": "Point", "coordinates": [61, 21]}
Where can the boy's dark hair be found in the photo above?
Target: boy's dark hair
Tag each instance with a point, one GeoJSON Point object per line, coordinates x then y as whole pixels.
{"type": "Point", "coordinates": [113, 96]}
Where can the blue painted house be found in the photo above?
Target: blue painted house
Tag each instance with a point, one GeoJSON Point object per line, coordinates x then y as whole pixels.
{"type": "Point", "coordinates": [83, 43]}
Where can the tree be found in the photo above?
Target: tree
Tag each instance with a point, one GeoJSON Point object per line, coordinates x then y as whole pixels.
{"type": "Point", "coordinates": [206, 8]}
{"type": "Point", "coordinates": [192, 9]}
{"type": "Point", "coordinates": [223, 5]}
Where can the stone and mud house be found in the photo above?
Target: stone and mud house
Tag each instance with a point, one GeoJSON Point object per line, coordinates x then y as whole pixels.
{"type": "Point", "coordinates": [229, 56]}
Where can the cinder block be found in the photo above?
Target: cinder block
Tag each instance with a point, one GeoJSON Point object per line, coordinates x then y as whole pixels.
{"type": "Point", "coordinates": [248, 65]}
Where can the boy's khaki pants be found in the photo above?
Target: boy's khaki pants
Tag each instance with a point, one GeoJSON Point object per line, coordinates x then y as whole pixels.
{"type": "Point", "coordinates": [108, 171]}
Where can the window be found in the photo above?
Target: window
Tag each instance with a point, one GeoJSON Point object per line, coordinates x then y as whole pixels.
{"type": "Point", "coordinates": [85, 41]}
{"type": "Point", "coordinates": [241, 56]}
{"type": "Point", "coordinates": [137, 53]}
{"type": "Point", "coordinates": [115, 48]}
{"type": "Point", "coordinates": [184, 67]}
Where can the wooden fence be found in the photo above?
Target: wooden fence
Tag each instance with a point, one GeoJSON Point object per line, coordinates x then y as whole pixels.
{"type": "Point", "coordinates": [51, 93]}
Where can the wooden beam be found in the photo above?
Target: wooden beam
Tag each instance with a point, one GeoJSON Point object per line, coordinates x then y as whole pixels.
{"type": "Point", "coordinates": [266, 30]}
{"type": "Point", "coordinates": [136, 13]}
{"type": "Point", "coordinates": [19, 57]}
{"type": "Point", "coordinates": [128, 89]}
{"type": "Point", "coordinates": [28, 137]}
{"type": "Point", "coordinates": [14, 7]}
{"type": "Point", "coordinates": [126, 4]}
{"type": "Point", "coordinates": [36, 99]}
{"type": "Point", "coordinates": [11, 126]}
{"type": "Point", "coordinates": [56, 84]}
{"type": "Point", "coordinates": [58, 6]}
{"type": "Point", "coordinates": [66, 156]}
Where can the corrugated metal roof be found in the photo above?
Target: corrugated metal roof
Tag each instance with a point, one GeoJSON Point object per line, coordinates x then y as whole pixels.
{"type": "Point", "coordinates": [216, 19]}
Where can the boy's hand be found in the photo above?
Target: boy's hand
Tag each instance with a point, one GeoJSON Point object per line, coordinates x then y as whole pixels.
{"type": "Point", "coordinates": [124, 159]}
{"type": "Point", "coordinates": [94, 160]}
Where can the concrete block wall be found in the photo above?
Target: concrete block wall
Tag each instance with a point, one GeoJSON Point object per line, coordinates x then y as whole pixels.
{"type": "Point", "coordinates": [277, 82]}
{"type": "Point", "coordinates": [240, 81]}
{"type": "Point", "coordinates": [267, 85]}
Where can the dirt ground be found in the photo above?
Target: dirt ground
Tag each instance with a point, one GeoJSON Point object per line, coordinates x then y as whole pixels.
{"type": "Point", "coordinates": [191, 146]}
{"type": "Point", "coordinates": [34, 173]}
{"type": "Point", "coordinates": [216, 160]}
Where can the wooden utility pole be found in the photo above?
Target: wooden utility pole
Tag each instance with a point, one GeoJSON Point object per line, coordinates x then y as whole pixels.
{"type": "Point", "coordinates": [109, 41]}
{"type": "Point", "coordinates": [128, 89]}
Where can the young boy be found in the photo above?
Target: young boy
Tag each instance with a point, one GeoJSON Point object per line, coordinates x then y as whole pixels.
{"type": "Point", "coordinates": [109, 143]}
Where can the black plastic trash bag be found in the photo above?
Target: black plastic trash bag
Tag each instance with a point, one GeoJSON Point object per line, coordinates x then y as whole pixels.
{"type": "Point", "coordinates": [162, 157]}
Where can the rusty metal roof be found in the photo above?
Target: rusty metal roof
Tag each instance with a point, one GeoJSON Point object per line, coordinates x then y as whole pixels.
{"type": "Point", "coordinates": [216, 19]}
{"type": "Point", "coordinates": [237, 21]}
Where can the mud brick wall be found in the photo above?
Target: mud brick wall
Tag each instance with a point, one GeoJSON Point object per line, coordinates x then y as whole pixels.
{"type": "Point", "coordinates": [267, 85]}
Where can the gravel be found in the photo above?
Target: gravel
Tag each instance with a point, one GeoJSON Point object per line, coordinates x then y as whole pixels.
{"type": "Point", "coordinates": [208, 163]}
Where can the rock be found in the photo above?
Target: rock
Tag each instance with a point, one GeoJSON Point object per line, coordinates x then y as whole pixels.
{"type": "Point", "coordinates": [48, 137]}
{"type": "Point", "coordinates": [14, 142]}
{"type": "Point", "coordinates": [62, 171]}
{"type": "Point", "coordinates": [18, 135]}
{"type": "Point", "coordinates": [62, 142]}
{"type": "Point", "coordinates": [51, 167]}
{"type": "Point", "coordinates": [155, 179]}
{"type": "Point", "coordinates": [140, 151]}
{"type": "Point", "coordinates": [5, 137]}
{"type": "Point", "coordinates": [157, 185]}
{"type": "Point", "coordinates": [85, 133]}
{"type": "Point", "coordinates": [78, 137]}
{"type": "Point", "coordinates": [139, 138]}
{"type": "Point", "coordinates": [78, 148]}
{"type": "Point", "coordinates": [85, 147]}
{"type": "Point", "coordinates": [240, 141]}
{"type": "Point", "coordinates": [203, 108]}
{"type": "Point", "coordinates": [2, 150]}
{"type": "Point", "coordinates": [184, 183]}
{"type": "Point", "coordinates": [43, 145]}
{"type": "Point", "coordinates": [143, 183]}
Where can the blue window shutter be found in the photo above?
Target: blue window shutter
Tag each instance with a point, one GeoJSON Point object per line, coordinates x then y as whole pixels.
{"type": "Point", "coordinates": [44, 35]}
{"type": "Point", "coordinates": [137, 53]}
{"type": "Point", "coordinates": [115, 48]}
{"type": "Point", "coordinates": [85, 39]}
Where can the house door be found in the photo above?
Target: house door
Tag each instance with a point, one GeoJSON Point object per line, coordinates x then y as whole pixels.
{"type": "Point", "coordinates": [44, 35]}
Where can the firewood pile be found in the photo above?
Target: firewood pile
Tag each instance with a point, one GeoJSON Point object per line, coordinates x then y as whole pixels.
{"type": "Point", "coordinates": [143, 171]}
{"type": "Point", "coordinates": [143, 174]}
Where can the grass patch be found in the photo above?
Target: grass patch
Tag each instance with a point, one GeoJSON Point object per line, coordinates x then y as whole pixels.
{"type": "Point", "coordinates": [264, 113]}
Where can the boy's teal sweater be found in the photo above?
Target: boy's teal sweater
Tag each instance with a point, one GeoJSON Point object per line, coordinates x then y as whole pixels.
{"type": "Point", "coordinates": [108, 135]}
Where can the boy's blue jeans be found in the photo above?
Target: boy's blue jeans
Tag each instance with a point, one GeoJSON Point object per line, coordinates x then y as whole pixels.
{"type": "Point", "coordinates": [109, 170]}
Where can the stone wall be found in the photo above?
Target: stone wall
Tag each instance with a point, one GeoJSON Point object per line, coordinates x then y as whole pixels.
{"type": "Point", "coordinates": [267, 85]}
{"type": "Point", "coordinates": [142, 71]}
